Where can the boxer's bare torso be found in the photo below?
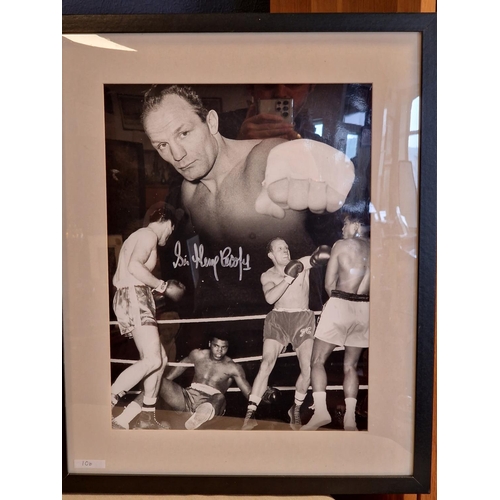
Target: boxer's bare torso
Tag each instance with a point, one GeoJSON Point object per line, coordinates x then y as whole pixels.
{"type": "Point", "coordinates": [140, 245]}
{"type": "Point", "coordinates": [348, 269]}
{"type": "Point", "coordinates": [296, 295]}
{"type": "Point", "coordinates": [224, 205]}
{"type": "Point", "coordinates": [216, 374]}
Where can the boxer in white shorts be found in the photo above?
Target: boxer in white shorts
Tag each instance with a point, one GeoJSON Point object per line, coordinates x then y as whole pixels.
{"type": "Point", "coordinates": [344, 320]}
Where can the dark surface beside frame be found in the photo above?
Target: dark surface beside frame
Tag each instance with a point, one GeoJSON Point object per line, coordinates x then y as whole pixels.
{"type": "Point", "coordinates": [155, 7]}
{"type": "Point", "coordinates": [426, 24]}
{"type": "Point", "coordinates": [247, 23]}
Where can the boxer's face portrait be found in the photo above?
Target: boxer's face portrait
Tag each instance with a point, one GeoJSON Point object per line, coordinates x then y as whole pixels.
{"type": "Point", "coordinates": [218, 348]}
{"type": "Point", "coordinates": [349, 229]}
{"type": "Point", "coordinates": [182, 138]}
{"type": "Point", "coordinates": [280, 252]}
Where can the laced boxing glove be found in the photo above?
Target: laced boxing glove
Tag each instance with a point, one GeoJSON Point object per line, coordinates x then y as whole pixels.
{"type": "Point", "coordinates": [172, 289]}
{"type": "Point", "coordinates": [321, 256]}
{"type": "Point", "coordinates": [271, 395]}
{"type": "Point", "coordinates": [175, 290]}
{"type": "Point", "coordinates": [292, 270]}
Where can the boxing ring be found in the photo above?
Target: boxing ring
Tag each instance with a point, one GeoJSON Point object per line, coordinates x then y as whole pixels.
{"type": "Point", "coordinates": [239, 360]}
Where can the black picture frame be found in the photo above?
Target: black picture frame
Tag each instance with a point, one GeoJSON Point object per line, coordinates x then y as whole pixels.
{"type": "Point", "coordinates": [419, 481]}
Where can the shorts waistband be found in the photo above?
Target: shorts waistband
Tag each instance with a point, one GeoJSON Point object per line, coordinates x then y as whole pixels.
{"type": "Point", "coordinates": [205, 388]}
{"type": "Point", "coordinates": [353, 297]}
{"type": "Point", "coordinates": [285, 309]}
{"type": "Point", "coordinates": [125, 287]}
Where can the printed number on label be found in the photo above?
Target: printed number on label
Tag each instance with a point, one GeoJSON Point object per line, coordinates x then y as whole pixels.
{"type": "Point", "coordinates": [90, 464]}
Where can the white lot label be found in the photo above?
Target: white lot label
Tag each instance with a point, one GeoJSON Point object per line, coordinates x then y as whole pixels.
{"type": "Point", "coordinates": [90, 464]}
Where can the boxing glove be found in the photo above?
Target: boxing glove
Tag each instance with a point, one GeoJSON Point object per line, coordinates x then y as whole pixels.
{"type": "Point", "coordinates": [175, 290]}
{"type": "Point", "coordinates": [321, 256]}
{"type": "Point", "coordinates": [161, 303]}
{"type": "Point", "coordinates": [292, 270]}
{"type": "Point", "coordinates": [271, 395]}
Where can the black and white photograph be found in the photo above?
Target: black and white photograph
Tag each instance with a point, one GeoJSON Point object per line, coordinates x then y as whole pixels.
{"type": "Point", "coordinates": [238, 220]}
{"type": "Point", "coordinates": [248, 259]}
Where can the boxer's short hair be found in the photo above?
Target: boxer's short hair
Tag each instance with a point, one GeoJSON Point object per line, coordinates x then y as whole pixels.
{"type": "Point", "coordinates": [269, 246]}
{"type": "Point", "coordinates": [357, 212]}
{"type": "Point", "coordinates": [162, 212]}
{"type": "Point", "coordinates": [154, 97]}
{"type": "Point", "coordinates": [219, 335]}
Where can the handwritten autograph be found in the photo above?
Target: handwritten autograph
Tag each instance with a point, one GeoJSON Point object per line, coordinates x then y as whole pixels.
{"type": "Point", "coordinates": [225, 258]}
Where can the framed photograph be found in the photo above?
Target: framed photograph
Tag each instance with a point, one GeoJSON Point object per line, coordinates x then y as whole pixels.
{"type": "Point", "coordinates": [247, 260]}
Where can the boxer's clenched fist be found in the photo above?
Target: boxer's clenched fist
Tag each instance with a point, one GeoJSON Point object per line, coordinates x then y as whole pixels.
{"type": "Point", "coordinates": [305, 174]}
{"type": "Point", "coordinates": [173, 289]}
{"type": "Point", "coordinates": [292, 270]}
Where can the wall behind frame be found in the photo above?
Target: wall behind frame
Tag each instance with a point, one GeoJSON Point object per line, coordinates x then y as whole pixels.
{"type": "Point", "coordinates": [273, 6]}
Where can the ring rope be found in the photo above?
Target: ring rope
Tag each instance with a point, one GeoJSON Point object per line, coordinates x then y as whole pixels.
{"type": "Point", "coordinates": [292, 388]}
{"type": "Point", "coordinates": [282, 388]}
{"type": "Point", "coordinates": [209, 320]}
{"type": "Point", "coordinates": [236, 360]}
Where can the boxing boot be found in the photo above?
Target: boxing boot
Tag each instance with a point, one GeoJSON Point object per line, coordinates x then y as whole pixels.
{"type": "Point", "coordinates": [294, 414]}
{"type": "Point", "coordinates": [202, 414]}
{"type": "Point", "coordinates": [147, 420]}
{"type": "Point", "coordinates": [249, 423]}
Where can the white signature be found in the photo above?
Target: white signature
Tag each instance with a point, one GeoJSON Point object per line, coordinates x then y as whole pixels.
{"type": "Point", "coordinates": [225, 258]}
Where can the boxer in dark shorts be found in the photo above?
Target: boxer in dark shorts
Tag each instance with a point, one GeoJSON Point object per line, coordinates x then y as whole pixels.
{"type": "Point", "coordinates": [286, 285]}
{"type": "Point", "coordinates": [289, 327]}
{"type": "Point", "coordinates": [197, 394]}
{"type": "Point", "coordinates": [214, 373]}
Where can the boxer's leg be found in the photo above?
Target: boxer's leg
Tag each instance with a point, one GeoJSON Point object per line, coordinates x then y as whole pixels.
{"type": "Point", "coordinates": [270, 353]}
{"type": "Point", "coordinates": [321, 416]}
{"type": "Point", "coordinates": [351, 385]}
{"type": "Point", "coordinates": [304, 353]}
